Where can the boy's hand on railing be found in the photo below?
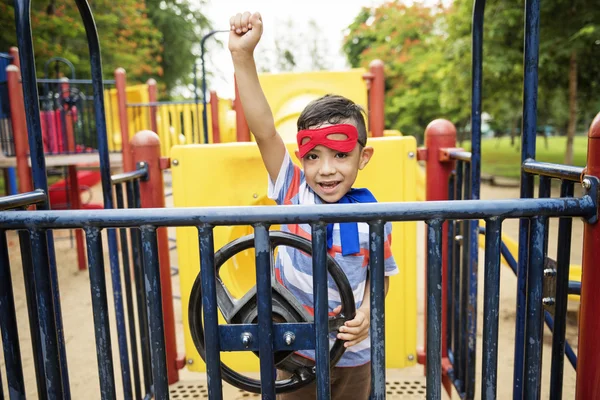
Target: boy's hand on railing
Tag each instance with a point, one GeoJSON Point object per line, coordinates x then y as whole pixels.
{"type": "Point", "coordinates": [245, 32]}
{"type": "Point", "coordinates": [355, 330]}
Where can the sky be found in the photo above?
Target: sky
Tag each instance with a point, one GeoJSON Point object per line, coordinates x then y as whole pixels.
{"type": "Point", "coordinates": [331, 17]}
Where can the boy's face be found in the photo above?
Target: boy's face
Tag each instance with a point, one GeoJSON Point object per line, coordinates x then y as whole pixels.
{"type": "Point", "coordinates": [331, 173]}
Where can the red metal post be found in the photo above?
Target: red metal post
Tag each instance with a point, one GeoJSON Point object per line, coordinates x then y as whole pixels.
{"type": "Point", "coordinates": [588, 361]}
{"type": "Point", "coordinates": [214, 114]}
{"type": "Point", "coordinates": [121, 85]}
{"type": "Point", "coordinates": [152, 98]}
{"type": "Point", "coordinates": [377, 99]}
{"type": "Point", "coordinates": [243, 132]}
{"type": "Point", "coordinates": [440, 134]}
{"type": "Point", "coordinates": [19, 127]}
{"type": "Point", "coordinates": [14, 53]}
{"type": "Point", "coordinates": [145, 146]}
{"type": "Point", "coordinates": [73, 186]}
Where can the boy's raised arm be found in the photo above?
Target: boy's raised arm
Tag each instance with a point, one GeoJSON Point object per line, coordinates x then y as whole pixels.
{"type": "Point", "coordinates": [244, 35]}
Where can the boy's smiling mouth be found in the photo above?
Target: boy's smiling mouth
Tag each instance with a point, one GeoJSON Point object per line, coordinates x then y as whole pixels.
{"type": "Point", "coordinates": [329, 186]}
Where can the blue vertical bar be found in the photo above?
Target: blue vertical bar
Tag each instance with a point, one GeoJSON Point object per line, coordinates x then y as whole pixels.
{"type": "Point", "coordinates": [475, 177]}
{"type": "Point", "coordinates": [8, 323]}
{"type": "Point", "coordinates": [434, 310]}
{"type": "Point", "coordinates": [545, 191]}
{"type": "Point", "coordinates": [129, 296]}
{"type": "Point", "coordinates": [491, 305]}
{"type": "Point", "coordinates": [38, 163]}
{"type": "Point", "coordinates": [30, 96]}
{"type": "Point", "coordinates": [562, 286]}
{"type": "Point", "coordinates": [136, 246]}
{"type": "Point", "coordinates": [377, 328]}
{"type": "Point", "coordinates": [113, 252]}
{"type": "Point", "coordinates": [465, 315]}
{"type": "Point", "coordinates": [209, 310]}
{"type": "Point", "coordinates": [155, 312]}
{"type": "Point", "coordinates": [450, 271]}
{"type": "Point", "coordinates": [100, 124]}
{"type": "Point", "coordinates": [12, 180]}
{"type": "Point", "coordinates": [47, 324]}
{"type": "Point", "coordinates": [476, 94]}
{"type": "Point", "coordinates": [58, 316]}
{"type": "Point", "coordinates": [32, 311]}
{"type": "Point", "coordinates": [262, 247]}
{"type": "Point", "coordinates": [535, 311]}
{"type": "Point", "coordinates": [530, 88]}
{"type": "Point", "coordinates": [457, 289]}
{"type": "Point", "coordinates": [100, 311]}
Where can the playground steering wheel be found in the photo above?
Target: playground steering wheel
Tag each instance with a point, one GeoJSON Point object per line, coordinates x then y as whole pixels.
{"type": "Point", "coordinates": [286, 308]}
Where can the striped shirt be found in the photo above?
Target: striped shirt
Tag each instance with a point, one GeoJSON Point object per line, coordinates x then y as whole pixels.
{"type": "Point", "coordinates": [293, 268]}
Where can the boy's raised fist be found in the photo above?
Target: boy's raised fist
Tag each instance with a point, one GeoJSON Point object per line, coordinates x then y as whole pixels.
{"type": "Point", "coordinates": [245, 32]}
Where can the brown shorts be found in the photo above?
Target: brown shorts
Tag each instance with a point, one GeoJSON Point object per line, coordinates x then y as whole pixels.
{"type": "Point", "coordinates": [346, 383]}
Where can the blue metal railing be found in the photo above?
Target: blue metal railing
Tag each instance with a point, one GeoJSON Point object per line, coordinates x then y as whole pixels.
{"type": "Point", "coordinates": [130, 183]}
{"type": "Point", "coordinates": [461, 295]}
{"type": "Point", "coordinates": [148, 220]}
{"type": "Point", "coordinates": [8, 317]}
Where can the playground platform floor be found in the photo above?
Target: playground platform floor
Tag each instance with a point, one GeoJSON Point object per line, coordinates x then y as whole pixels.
{"type": "Point", "coordinates": [406, 384]}
{"type": "Point", "coordinates": [64, 160]}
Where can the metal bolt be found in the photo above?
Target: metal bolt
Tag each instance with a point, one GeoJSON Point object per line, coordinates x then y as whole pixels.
{"type": "Point", "coordinates": [142, 164]}
{"type": "Point", "coordinates": [190, 361]}
{"type": "Point", "coordinates": [549, 272]}
{"type": "Point", "coordinates": [411, 154]}
{"type": "Point", "coordinates": [458, 238]}
{"type": "Point", "coordinates": [175, 162]}
{"type": "Point", "coordinates": [587, 183]}
{"type": "Point", "coordinates": [246, 339]}
{"type": "Point", "coordinates": [411, 357]}
{"type": "Point", "coordinates": [289, 338]}
{"type": "Point", "coordinates": [255, 195]}
{"type": "Point", "coordinates": [548, 301]}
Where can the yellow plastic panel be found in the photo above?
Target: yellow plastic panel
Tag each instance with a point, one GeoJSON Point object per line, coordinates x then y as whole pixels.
{"type": "Point", "coordinates": [232, 174]}
{"type": "Point", "coordinates": [289, 93]}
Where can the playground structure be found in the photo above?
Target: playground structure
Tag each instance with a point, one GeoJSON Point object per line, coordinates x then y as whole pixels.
{"type": "Point", "coordinates": [452, 217]}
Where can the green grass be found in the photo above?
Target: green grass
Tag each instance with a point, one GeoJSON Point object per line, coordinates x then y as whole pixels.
{"type": "Point", "coordinates": [499, 159]}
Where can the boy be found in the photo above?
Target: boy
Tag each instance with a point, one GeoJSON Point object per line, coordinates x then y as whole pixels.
{"type": "Point", "coordinates": [332, 148]}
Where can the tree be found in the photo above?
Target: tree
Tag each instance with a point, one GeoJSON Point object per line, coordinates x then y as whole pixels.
{"type": "Point", "coordinates": [564, 90]}
{"type": "Point", "coordinates": [296, 48]}
{"type": "Point", "coordinates": [564, 50]}
{"type": "Point", "coordinates": [408, 40]}
{"type": "Point", "coordinates": [127, 37]}
{"type": "Point", "coordinates": [318, 47]}
{"type": "Point", "coordinates": [181, 26]}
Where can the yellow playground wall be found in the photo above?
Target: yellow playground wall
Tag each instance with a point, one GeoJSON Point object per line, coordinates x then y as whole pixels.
{"type": "Point", "coordinates": [232, 174]}
{"type": "Point", "coordinates": [134, 94]}
{"type": "Point", "coordinates": [175, 123]}
{"type": "Point", "coordinates": [288, 93]}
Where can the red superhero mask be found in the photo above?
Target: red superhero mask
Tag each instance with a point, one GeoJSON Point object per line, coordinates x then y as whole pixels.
{"type": "Point", "coordinates": [320, 136]}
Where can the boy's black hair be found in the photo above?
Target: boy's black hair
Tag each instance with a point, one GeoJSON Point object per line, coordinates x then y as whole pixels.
{"type": "Point", "coordinates": [333, 109]}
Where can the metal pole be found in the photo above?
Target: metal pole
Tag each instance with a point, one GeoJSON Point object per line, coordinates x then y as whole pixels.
{"type": "Point", "coordinates": [204, 112]}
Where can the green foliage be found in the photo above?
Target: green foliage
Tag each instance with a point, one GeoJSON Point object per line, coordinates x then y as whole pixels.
{"type": "Point", "coordinates": [153, 39]}
{"type": "Point", "coordinates": [427, 52]}
{"type": "Point", "coordinates": [408, 40]}
{"type": "Point", "coordinates": [182, 26]}
{"type": "Point", "coordinates": [127, 37]}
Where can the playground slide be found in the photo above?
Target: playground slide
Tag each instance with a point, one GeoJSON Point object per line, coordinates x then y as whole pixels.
{"type": "Point", "coordinates": [59, 194]}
